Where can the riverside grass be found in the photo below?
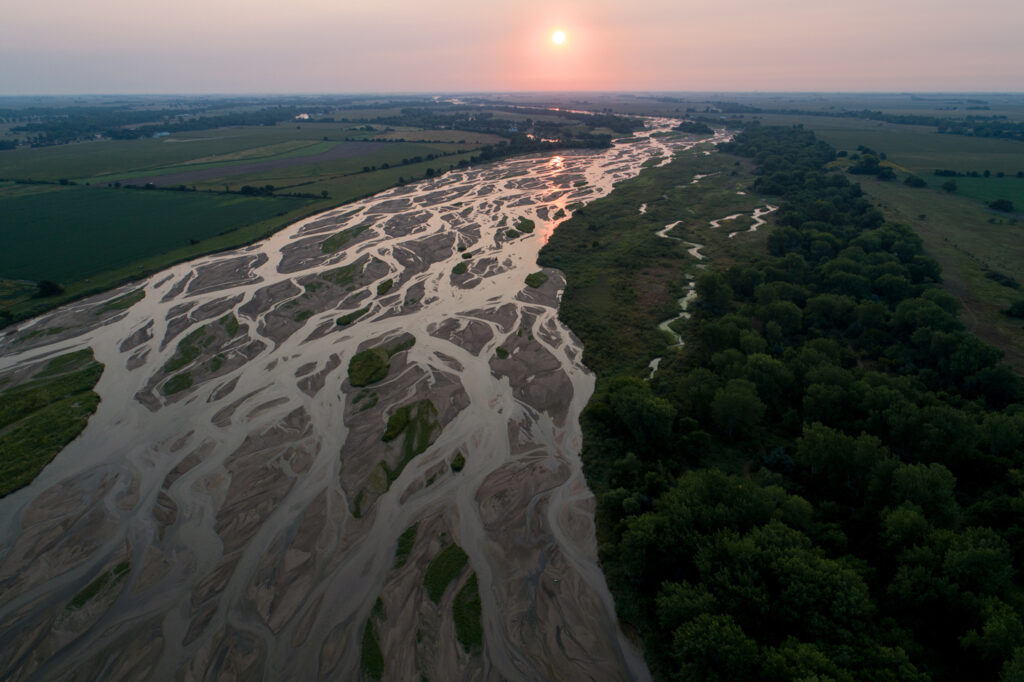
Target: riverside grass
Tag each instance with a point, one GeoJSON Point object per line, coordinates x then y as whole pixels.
{"type": "Point", "coordinates": [39, 417]}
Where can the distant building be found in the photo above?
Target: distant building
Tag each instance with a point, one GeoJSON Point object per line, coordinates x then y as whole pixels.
{"type": "Point", "coordinates": [302, 117]}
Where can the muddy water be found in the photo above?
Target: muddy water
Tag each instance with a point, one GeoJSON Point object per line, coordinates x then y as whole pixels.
{"type": "Point", "coordinates": [252, 506]}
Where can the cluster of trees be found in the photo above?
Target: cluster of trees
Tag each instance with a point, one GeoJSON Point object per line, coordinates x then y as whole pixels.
{"type": "Point", "coordinates": [59, 124]}
{"type": "Point", "coordinates": [870, 164]}
{"type": "Point", "coordinates": [825, 483]}
{"type": "Point", "coordinates": [446, 116]}
{"type": "Point", "coordinates": [81, 123]}
{"type": "Point", "coordinates": [973, 125]}
{"type": "Point", "coordinates": [623, 125]}
{"type": "Point", "coordinates": [696, 127]}
{"type": "Point", "coordinates": [947, 173]}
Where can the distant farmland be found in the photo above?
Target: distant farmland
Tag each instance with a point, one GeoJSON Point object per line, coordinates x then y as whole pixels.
{"type": "Point", "coordinates": [75, 233]}
{"type": "Point", "coordinates": [343, 150]}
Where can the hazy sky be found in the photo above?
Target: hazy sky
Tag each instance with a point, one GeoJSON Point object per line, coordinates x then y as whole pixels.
{"type": "Point", "coordinates": [203, 46]}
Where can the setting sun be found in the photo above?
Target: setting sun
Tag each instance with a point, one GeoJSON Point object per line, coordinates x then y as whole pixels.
{"type": "Point", "coordinates": [558, 37]}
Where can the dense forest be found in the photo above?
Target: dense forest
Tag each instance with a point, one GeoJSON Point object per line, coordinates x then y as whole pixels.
{"type": "Point", "coordinates": [826, 481]}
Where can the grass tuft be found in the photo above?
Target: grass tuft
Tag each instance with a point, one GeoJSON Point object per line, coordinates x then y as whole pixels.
{"type": "Point", "coordinates": [371, 365]}
{"type": "Point", "coordinates": [178, 383]}
{"type": "Point", "coordinates": [338, 240]}
{"type": "Point", "coordinates": [458, 462]}
{"type": "Point", "coordinates": [372, 661]}
{"type": "Point", "coordinates": [111, 577]}
{"type": "Point", "coordinates": [467, 610]}
{"type": "Point", "coordinates": [351, 317]}
{"type": "Point", "coordinates": [536, 279]}
{"type": "Point", "coordinates": [123, 302]}
{"type": "Point", "coordinates": [417, 424]}
{"type": "Point", "coordinates": [405, 543]}
{"type": "Point", "coordinates": [445, 568]}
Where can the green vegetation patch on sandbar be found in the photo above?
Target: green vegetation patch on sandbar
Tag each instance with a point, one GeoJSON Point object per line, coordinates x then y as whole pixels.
{"type": "Point", "coordinates": [189, 349]}
{"type": "Point", "coordinates": [372, 661]}
{"type": "Point", "coordinates": [371, 365]}
{"type": "Point", "coordinates": [458, 462]}
{"type": "Point", "coordinates": [123, 302]}
{"type": "Point", "coordinates": [443, 569]}
{"type": "Point", "coordinates": [178, 383]}
{"type": "Point", "coordinates": [536, 279]}
{"type": "Point", "coordinates": [405, 542]}
{"type": "Point", "coordinates": [339, 239]}
{"type": "Point", "coordinates": [111, 577]}
{"type": "Point", "coordinates": [40, 417]}
{"type": "Point", "coordinates": [418, 427]}
{"type": "Point", "coordinates": [230, 324]}
{"type": "Point", "coordinates": [525, 225]}
{"type": "Point", "coordinates": [349, 318]}
{"type": "Point", "coordinates": [467, 611]}
{"type": "Point", "coordinates": [344, 275]}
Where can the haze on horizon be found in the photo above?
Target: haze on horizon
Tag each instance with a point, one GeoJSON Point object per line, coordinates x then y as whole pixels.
{"type": "Point", "coordinates": [197, 46]}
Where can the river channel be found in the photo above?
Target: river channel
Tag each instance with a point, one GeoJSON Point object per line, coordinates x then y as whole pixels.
{"type": "Point", "coordinates": [258, 508]}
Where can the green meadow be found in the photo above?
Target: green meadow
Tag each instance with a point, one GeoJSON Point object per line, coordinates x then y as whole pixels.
{"type": "Point", "coordinates": [75, 233]}
{"type": "Point", "coordinates": [920, 150]}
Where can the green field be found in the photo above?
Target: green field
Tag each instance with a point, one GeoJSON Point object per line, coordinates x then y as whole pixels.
{"type": "Point", "coordinates": [920, 150]}
{"type": "Point", "coordinates": [85, 160]}
{"type": "Point", "coordinates": [957, 233]}
{"type": "Point", "coordinates": [74, 233]}
{"type": "Point", "coordinates": [985, 190]}
{"type": "Point", "coordinates": [968, 239]}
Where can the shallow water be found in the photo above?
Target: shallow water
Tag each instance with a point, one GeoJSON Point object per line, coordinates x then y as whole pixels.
{"type": "Point", "coordinates": [250, 506]}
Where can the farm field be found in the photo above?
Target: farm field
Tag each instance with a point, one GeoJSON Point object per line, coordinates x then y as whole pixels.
{"type": "Point", "coordinates": [75, 233]}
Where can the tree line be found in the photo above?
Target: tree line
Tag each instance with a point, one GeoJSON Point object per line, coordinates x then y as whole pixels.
{"type": "Point", "coordinates": [825, 483]}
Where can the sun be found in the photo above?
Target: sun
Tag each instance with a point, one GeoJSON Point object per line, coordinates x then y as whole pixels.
{"type": "Point", "coordinates": [558, 37]}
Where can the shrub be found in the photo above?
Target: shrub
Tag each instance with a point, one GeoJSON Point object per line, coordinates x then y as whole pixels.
{"type": "Point", "coordinates": [536, 279]}
{"type": "Point", "coordinates": [445, 568]}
